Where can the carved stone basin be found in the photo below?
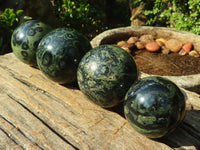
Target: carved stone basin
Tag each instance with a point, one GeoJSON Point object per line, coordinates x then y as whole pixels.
{"type": "Point", "coordinates": [189, 82]}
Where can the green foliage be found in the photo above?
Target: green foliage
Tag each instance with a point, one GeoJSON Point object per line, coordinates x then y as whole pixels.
{"type": "Point", "coordinates": [9, 20]}
{"type": "Point", "coordinates": [80, 15]}
{"type": "Point", "coordinates": [179, 14]}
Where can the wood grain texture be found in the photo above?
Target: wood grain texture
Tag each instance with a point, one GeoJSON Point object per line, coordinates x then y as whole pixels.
{"type": "Point", "coordinates": [37, 113]}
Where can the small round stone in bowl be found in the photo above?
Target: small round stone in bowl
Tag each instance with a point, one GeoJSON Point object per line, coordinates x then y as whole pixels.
{"type": "Point", "coordinates": [26, 38]}
{"type": "Point", "coordinates": [59, 53]}
{"type": "Point", "coordinates": [106, 73]}
{"type": "Point", "coordinates": [154, 106]}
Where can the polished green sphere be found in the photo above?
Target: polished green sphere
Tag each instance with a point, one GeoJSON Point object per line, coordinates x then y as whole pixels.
{"type": "Point", "coordinates": [154, 106]}
{"type": "Point", "coordinates": [26, 38]}
{"type": "Point", "coordinates": [106, 73]}
{"type": "Point", "coordinates": [60, 52]}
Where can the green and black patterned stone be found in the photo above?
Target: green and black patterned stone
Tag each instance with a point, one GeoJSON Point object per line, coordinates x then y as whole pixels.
{"type": "Point", "coordinates": [154, 106]}
{"type": "Point", "coordinates": [26, 38]}
{"type": "Point", "coordinates": [60, 52]}
{"type": "Point", "coordinates": [106, 73]}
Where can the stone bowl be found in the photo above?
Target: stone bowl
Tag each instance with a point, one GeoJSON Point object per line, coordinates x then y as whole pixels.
{"type": "Point", "coordinates": [189, 82]}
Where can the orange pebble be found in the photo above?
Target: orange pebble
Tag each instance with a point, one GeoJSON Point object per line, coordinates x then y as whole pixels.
{"type": "Point", "coordinates": [187, 47]}
{"type": "Point", "coordinates": [152, 47]}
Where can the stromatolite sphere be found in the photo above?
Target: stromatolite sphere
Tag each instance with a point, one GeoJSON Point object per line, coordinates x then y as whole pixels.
{"type": "Point", "coordinates": [26, 38]}
{"type": "Point", "coordinates": [106, 73]}
{"type": "Point", "coordinates": [60, 52]}
{"type": "Point", "coordinates": [154, 106]}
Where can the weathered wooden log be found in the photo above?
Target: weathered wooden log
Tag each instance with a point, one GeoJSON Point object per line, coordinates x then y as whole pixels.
{"type": "Point", "coordinates": [37, 113]}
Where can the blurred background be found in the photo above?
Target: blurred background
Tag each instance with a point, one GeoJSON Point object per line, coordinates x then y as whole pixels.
{"type": "Point", "coordinates": [92, 17]}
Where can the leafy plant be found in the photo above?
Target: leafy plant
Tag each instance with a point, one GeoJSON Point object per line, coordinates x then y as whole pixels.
{"type": "Point", "coordinates": [9, 20]}
{"type": "Point", "coordinates": [179, 14]}
{"type": "Point", "coordinates": [92, 16]}
{"type": "Point", "coordinates": [80, 15]}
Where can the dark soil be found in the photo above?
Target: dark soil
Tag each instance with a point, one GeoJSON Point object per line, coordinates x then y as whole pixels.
{"type": "Point", "coordinates": [172, 64]}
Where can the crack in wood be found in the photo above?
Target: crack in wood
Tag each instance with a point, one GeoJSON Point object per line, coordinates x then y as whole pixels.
{"type": "Point", "coordinates": [24, 82]}
{"type": "Point", "coordinates": [31, 86]}
{"type": "Point", "coordinates": [34, 88]}
{"type": "Point", "coordinates": [9, 135]}
{"type": "Point", "coordinates": [120, 128]}
{"type": "Point", "coordinates": [52, 97]}
{"type": "Point", "coordinates": [96, 123]}
{"type": "Point", "coordinates": [48, 126]}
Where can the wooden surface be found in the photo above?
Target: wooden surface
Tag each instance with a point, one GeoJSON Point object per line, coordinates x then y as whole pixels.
{"type": "Point", "coordinates": [36, 113]}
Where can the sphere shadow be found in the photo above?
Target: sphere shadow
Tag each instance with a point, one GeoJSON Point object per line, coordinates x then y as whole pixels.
{"type": "Point", "coordinates": [73, 85]}
{"type": "Point", "coordinates": [187, 134]}
{"type": "Point", "coordinates": [119, 109]}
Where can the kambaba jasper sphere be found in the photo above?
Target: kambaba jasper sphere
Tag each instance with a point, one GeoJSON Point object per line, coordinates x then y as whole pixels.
{"type": "Point", "coordinates": [59, 53]}
{"type": "Point", "coordinates": [154, 106]}
{"type": "Point", "coordinates": [106, 73]}
{"type": "Point", "coordinates": [25, 39]}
